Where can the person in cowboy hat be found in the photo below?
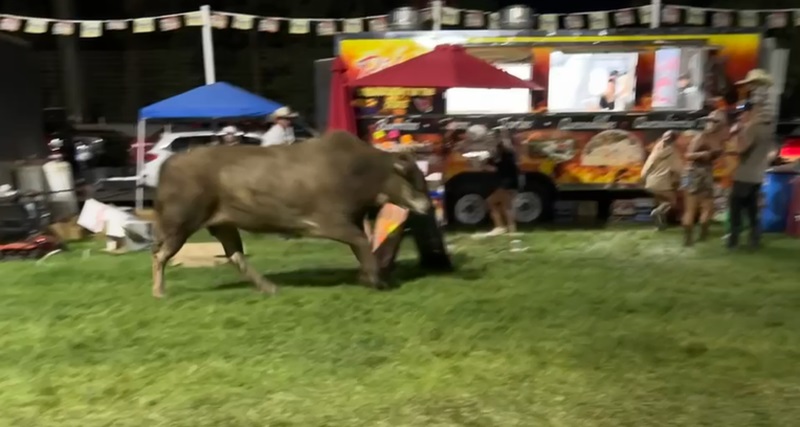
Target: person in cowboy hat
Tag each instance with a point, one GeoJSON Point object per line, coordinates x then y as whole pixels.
{"type": "Point", "coordinates": [756, 148]}
{"type": "Point", "coordinates": [230, 135]}
{"type": "Point", "coordinates": [281, 131]}
{"type": "Point", "coordinates": [757, 82]}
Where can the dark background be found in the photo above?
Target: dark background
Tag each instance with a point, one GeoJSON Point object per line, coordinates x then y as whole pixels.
{"type": "Point", "coordinates": [120, 72]}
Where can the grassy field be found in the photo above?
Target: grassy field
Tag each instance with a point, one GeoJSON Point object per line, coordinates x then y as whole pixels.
{"type": "Point", "coordinates": [586, 328]}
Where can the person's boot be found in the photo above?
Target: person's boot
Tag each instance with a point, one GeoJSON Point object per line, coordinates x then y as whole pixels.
{"type": "Point", "coordinates": [688, 235]}
{"type": "Point", "coordinates": [754, 241]}
{"type": "Point", "coordinates": [703, 232]}
{"type": "Point", "coordinates": [732, 240]}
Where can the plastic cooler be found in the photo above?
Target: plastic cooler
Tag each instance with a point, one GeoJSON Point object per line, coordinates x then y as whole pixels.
{"type": "Point", "coordinates": [793, 222]}
{"type": "Point", "coordinates": [777, 190]}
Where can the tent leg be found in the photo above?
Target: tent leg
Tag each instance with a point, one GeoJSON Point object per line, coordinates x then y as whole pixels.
{"type": "Point", "coordinates": [140, 132]}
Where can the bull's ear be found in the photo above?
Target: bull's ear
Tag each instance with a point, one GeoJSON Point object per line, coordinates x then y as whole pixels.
{"type": "Point", "coordinates": [399, 166]}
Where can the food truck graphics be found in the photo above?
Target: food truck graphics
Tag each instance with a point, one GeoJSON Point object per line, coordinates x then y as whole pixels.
{"type": "Point", "coordinates": [609, 97]}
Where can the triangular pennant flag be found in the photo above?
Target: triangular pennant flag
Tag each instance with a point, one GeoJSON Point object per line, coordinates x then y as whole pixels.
{"type": "Point", "coordinates": [219, 21]}
{"type": "Point", "coordinates": [193, 19]}
{"type": "Point", "coordinates": [721, 19]}
{"type": "Point", "coordinates": [355, 25]}
{"type": "Point", "coordinates": [624, 17]}
{"type": "Point", "coordinates": [777, 20]}
{"type": "Point", "coordinates": [118, 25]}
{"type": "Point", "coordinates": [243, 22]}
{"type": "Point", "coordinates": [91, 29]}
{"type": "Point", "coordinates": [10, 24]}
{"type": "Point", "coordinates": [598, 20]}
{"type": "Point", "coordinates": [426, 15]}
{"type": "Point", "coordinates": [451, 16]}
{"type": "Point", "coordinates": [170, 23]}
{"type": "Point", "coordinates": [269, 25]}
{"type": "Point", "coordinates": [474, 19]}
{"type": "Point", "coordinates": [671, 15]}
{"type": "Point", "coordinates": [646, 14]}
{"type": "Point", "coordinates": [378, 25]}
{"type": "Point", "coordinates": [326, 28]}
{"type": "Point", "coordinates": [63, 29]}
{"type": "Point", "coordinates": [36, 26]}
{"type": "Point", "coordinates": [696, 16]}
{"type": "Point", "coordinates": [748, 18]}
{"type": "Point", "coordinates": [548, 22]}
{"type": "Point", "coordinates": [144, 25]}
{"type": "Point", "coordinates": [574, 21]}
{"type": "Point", "coordinates": [299, 26]}
{"type": "Point", "coordinates": [494, 21]}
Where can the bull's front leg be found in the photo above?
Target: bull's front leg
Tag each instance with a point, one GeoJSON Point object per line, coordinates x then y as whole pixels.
{"type": "Point", "coordinates": [370, 270]}
{"type": "Point", "coordinates": [354, 236]}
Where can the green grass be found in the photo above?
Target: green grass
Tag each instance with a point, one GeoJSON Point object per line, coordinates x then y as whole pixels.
{"type": "Point", "coordinates": [587, 328]}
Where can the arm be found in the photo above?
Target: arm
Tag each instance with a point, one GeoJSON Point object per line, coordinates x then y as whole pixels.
{"type": "Point", "coordinates": [746, 138]}
{"type": "Point", "coordinates": [694, 152]}
{"type": "Point", "coordinates": [651, 159]}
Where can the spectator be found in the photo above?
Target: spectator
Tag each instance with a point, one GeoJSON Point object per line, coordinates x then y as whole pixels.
{"type": "Point", "coordinates": [661, 174]}
{"type": "Point", "coordinates": [756, 149]}
{"type": "Point", "coordinates": [697, 181]}
{"type": "Point", "coordinates": [281, 131]}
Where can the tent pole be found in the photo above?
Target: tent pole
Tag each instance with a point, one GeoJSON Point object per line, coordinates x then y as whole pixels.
{"type": "Point", "coordinates": [208, 45]}
{"type": "Point", "coordinates": [436, 14]}
{"type": "Point", "coordinates": [140, 164]}
{"type": "Point", "coordinates": [655, 13]}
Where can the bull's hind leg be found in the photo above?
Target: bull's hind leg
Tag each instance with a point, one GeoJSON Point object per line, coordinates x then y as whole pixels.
{"type": "Point", "coordinates": [234, 251]}
{"type": "Point", "coordinates": [164, 248]}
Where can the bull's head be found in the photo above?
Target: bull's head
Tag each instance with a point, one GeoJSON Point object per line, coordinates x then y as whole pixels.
{"type": "Point", "coordinates": [406, 186]}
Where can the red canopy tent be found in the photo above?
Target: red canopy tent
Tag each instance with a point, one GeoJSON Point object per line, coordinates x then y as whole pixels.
{"type": "Point", "coordinates": [446, 66]}
{"type": "Point", "coordinates": [340, 110]}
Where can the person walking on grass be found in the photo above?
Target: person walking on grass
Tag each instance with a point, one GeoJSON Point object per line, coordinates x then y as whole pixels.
{"type": "Point", "coordinates": [661, 174]}
{"type": "Point", "coordinates": [697, 180]}
{"type": "Point", "coordinates": [506, 180]}
{"type": "Point", "coordinates": [756, 148]}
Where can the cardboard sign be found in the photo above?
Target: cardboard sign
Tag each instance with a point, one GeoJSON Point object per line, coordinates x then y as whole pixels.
{"type": "Point", "coordinates": [390, 219]}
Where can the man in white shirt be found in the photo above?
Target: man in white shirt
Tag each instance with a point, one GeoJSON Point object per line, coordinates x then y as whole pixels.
{"type": "Point", "coordinates": [281, 132]}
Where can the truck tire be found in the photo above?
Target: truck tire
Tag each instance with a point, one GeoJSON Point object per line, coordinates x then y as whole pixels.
{"type": "Point", "coordinates": [534, 203]}
{"type": "Point", "coordinates": [469, 209]}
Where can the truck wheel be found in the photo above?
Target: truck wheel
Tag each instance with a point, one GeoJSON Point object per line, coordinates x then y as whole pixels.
{"type": "Point", "coordinates": [534, 203]}
{"type": "Point", "coordinates": [470, 209]}
{"type": "Point", "coordinates": [528, 207]}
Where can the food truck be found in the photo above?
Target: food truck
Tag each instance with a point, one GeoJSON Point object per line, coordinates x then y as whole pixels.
{"type": "Point", "coordinates": [608, 97]}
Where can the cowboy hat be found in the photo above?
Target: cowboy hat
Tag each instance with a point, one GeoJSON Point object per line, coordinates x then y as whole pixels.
{"type": "Point", "coordinates": [756, 75]}
{"type": "Point", "coordinates": [283, 112]}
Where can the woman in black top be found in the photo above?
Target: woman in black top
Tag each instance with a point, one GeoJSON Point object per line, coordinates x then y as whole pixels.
{"type": "Point", "coordinates": [506, 180]}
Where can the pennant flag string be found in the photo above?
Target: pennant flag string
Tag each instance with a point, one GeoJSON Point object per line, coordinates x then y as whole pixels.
{"type": "Point", "coordinates": [672, 15]}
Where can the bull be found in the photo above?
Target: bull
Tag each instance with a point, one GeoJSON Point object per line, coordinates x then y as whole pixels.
{"type": "Point", "coordinates": [321, 188]}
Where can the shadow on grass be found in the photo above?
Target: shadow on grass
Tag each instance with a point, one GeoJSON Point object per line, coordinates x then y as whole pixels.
{"type": "Point", "coordinates": [404, 271]}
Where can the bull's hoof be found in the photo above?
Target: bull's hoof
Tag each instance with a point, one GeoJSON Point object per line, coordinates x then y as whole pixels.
{"type": "Point", "coordinates": [373, 281]}
{"type": "Point", "coordinates": [267, 289]}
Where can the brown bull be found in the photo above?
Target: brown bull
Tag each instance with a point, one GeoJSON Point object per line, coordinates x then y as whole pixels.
{"type": "Point", "coordinates": [319, 188]}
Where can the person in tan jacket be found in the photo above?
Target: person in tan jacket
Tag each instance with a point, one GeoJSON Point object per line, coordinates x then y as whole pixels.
{"type": "Point", "coordinates": [661, 174]}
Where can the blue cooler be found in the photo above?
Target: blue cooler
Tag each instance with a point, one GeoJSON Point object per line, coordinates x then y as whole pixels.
{"type": "Point", "coordinates": [777, 191]}
{"type": "Point", "coordinates": [437, 197]}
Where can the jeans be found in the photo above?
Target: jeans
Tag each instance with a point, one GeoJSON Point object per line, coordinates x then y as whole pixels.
{"type": "Point", "coordinates": [744, 199]}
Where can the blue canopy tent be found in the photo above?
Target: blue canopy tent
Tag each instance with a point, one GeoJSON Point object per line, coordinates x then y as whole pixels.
{"type": "Point", "coordinates": [215, 101]}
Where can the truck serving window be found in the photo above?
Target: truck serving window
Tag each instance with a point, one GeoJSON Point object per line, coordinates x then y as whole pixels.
{"type": "Point", "coordinates": [592, 81]}
{"type": "Point", "coordinates": [492, 101]}
{"type": "Point", "coordinates": [678, 78]}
